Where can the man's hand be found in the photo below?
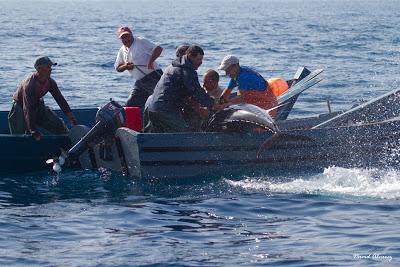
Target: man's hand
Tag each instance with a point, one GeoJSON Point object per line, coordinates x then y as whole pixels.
{"type": "Point", "coordinates": [222, 100]}
{"type": "Point", "coordinates": [36, 135]}
{"type": "Point", "coordinates": [218, 107]}
{"type": "Point", "coordinates": [150, 65]}
{"type": "Point", "coordinates": [204, 113]}
{"type": "Point", "coordinates": [129, 66]}
{"type": "Point", "coordinates": [125, 66]}
{"type": "Point", "coordinates": [154, 55]}
{"type": "Point", "coordinates": [72, 118]}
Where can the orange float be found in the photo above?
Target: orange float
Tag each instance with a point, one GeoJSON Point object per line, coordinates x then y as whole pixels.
{"type": "Point", "coordinates": [278, 86]}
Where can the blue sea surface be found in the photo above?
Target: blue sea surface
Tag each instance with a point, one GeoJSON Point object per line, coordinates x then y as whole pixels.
{"type": "Point", "coordinates": [340, 217]}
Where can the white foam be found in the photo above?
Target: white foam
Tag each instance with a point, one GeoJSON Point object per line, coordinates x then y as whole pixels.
{"type": "Point", "coordinates": [334, 180]}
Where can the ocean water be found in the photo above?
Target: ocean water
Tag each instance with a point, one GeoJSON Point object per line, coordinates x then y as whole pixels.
{"type": "Point", "coordinates": [340, 217]}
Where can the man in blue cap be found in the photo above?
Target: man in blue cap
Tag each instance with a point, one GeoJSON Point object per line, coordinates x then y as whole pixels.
{"type": "Point", "coordinates": [29, 112]}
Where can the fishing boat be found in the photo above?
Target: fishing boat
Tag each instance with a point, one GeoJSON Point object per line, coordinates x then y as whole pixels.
{"type": "Point", "coordinates": [21, 153]}
{"type": "Point", "coordinates": [243, 139]}
{"type": "Point", "coordinates": [364, 136]}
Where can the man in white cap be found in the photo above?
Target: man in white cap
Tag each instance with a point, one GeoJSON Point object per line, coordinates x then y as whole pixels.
{"type": "Point", "coordinates": [138, 56]}
{"type": "Point", "coordinates": [29, 112]}
{"type": "Point", "coordinates": [252, 87]}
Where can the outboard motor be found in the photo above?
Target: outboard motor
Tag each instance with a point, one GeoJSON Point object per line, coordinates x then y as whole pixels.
{"type": "Point", "coordinates": [108, 119]}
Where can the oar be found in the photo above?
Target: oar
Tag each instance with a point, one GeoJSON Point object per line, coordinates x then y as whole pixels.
{"type": "Point", "coordinates": [278, 106]}
{"type": "Point", "coordinates": [301, 85]}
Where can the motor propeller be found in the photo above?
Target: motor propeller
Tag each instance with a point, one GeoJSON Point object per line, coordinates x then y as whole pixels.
{"type": "Point", "coordinates": [58, 162]}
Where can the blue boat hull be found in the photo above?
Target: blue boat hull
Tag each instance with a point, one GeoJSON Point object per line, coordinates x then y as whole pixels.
{"type": "Point", "coordinates": [21, 153]}
{"type": "Point", "coordinates": [183, 155]}
{"type": "Point", "coordinates": [346, 147]}
{"type": "Point", "coordinates": [206, 154]}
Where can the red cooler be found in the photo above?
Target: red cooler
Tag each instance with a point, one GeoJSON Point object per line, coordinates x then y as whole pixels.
{"type": "Point", "coordinates": [133, 118]}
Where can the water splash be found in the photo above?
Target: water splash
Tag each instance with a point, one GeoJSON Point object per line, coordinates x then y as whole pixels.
{"type": "Point", "coordinates": [374, 183]}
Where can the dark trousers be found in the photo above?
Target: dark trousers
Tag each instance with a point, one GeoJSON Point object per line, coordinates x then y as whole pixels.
{"type": "Point", "coordinates": [192, 118]}
{"type": "Point", "coordinates": [143, 89]}
{"type": "Point", "coordinates": [46, 119]}
{"type": "Point", "coordinates": [157, 122]}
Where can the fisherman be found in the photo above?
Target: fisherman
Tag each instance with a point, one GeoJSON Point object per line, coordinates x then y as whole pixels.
{"type": "Point", "coordinates": [138, 56]}
{"type": "Point", "coordinates": [195, 115]}
{"type": "Point", "coordinates": [28, 109]}
{"type": "Point", "coordinates": [211, 84]}
{"type": "Point", "coordinates": [163, 111]}
{"type": "Point", "coordinates": [252, 87]}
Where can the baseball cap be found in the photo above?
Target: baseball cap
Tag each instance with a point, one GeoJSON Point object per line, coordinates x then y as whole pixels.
{"type": "Point", "coordinates": [123, 30]}
{"type": "Point", "coordinates": [43, 60]}
{"type": "Point", "coordinates": [227, 61]}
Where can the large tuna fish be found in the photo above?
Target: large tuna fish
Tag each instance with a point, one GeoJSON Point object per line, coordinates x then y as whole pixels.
{"type": "Point", "coordinates": [247, 118]}
{"type": "Point", "coordinates": [241, 118]}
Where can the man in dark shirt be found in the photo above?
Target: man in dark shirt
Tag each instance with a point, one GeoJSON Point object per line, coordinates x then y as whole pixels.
{"type": "Point", "coordinates": [29, 111]}
{"type": "Point", "coordinates": [179, 83]}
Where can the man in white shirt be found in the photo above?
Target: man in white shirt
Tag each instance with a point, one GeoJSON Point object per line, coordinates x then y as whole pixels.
{"type": "Point", "coordinates": [137, 55]}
